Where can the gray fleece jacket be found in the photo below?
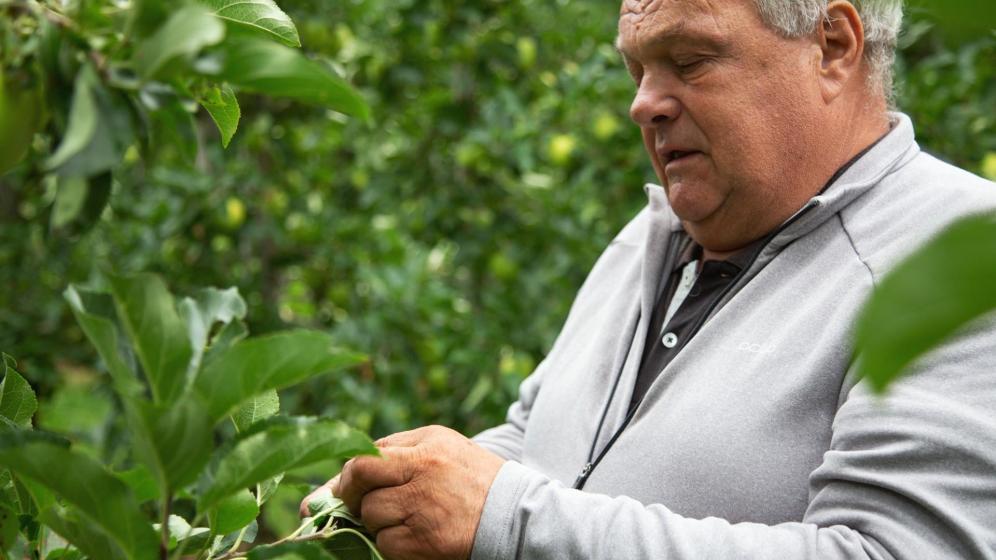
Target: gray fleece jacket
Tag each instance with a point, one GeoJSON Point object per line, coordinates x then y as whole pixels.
{"type": "Point", "coordinates": [757, 441]}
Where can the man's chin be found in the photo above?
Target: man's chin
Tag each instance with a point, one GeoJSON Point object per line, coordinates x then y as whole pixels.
{"type": "Point", "coordinates": [688, 204]}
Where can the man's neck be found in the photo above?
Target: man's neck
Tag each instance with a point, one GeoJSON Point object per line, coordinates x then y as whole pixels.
{"type": "Point", "coordinates": [858, 141]}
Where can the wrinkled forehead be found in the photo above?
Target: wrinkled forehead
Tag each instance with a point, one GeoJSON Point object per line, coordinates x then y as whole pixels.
{"type": "Point", "coordinates": [638, 8]}
{"type": "Point", "coordinates": [653, 21]}
{"type": "Point", "coordinates": [635, 14]}
{"type": "Point", "coordinates": [641, 9]}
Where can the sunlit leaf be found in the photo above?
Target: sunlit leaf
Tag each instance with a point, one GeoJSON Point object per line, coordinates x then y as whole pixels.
{"type": "Point", "coordinates": [95, 314]}
{"type": "Point", "coordinates": [276, 446]}
{"type": "Point", "coordinates": [256, 365]}
{"type": "Point", "coordinates": [189, 30]}
{"type": "Point", "coordinates": [927, 298]}
{"type": "Point", "coordinates": [103, 499]}
{"type": "Point", "coordinates": [256, 409]}
{"type": "Point", "coordinates": [201, 311]}
{"type": "Point", "coordinates": [221, 103]}
{"type": "Point", "coordinates": [17, 400]}
{"type": "Point", "coordinates": [265, 67]}
{"type": "Point", "coordinates": [173, 441]}
{"type": "Point", "coordinates": [158, 334]}
{"type": "Point", "coordinates": [234, 512]}
{"type": "Point", "coordinates": [262, 15]}
{"type": "Point", "coordinates": [180, 531]}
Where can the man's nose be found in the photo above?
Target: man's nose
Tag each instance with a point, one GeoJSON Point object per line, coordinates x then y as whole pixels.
{"type": "Point", "coordinates": [653, 104]}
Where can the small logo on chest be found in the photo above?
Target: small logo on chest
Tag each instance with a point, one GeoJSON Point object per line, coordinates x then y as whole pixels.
{"type": "Point", "coordinates": [755, 348]}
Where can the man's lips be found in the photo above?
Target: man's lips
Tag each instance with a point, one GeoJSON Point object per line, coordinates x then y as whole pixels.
{"type": "Point", "coordinates": [674, 156]}
{"type": "Point", "coordinates": [672, 151]}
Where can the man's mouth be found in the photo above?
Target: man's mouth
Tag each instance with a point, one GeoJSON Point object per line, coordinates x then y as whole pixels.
{"type": "Point", "coordinates": [673, 156]}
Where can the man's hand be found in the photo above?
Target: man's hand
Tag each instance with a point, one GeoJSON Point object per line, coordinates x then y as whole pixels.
{"type": "Point", "coordinates": [423, 496]}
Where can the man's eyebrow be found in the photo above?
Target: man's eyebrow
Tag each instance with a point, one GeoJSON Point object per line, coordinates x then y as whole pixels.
{"type": "Point", "coordinates": [678, 33]}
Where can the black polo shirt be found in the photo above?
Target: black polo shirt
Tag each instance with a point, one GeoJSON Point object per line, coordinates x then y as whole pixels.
{"type": "Point", "coordinates": [708, 281]}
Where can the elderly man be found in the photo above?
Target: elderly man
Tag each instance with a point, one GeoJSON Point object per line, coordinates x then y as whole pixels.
{"type": "Point", "coordinates": [700, 400]}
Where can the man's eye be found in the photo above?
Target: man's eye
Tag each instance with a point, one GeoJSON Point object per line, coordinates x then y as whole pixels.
{"type": "Point", "coordinates": [691, 65]}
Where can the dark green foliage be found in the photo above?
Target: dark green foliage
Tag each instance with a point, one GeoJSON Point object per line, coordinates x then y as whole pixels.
{"type": "Point", "coordinates": [444, 237]}
{"type": "Point", "coordinates": [168, 449]}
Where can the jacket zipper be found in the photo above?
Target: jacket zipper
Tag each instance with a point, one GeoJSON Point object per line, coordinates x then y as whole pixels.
{"type": "Point", "coordinates": [582, 477]}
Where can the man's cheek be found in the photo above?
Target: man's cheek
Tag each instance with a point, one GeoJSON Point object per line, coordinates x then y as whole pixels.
{"type": "Point", "coordinates": [649, 140]}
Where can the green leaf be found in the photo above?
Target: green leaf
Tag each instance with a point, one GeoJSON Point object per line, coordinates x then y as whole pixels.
{"type": "Point", "coordinates": [17, 401]}
{"type": "Point", "coordinates": [180, 530]}
{"type": "Point", "coordinates": [79, 202]}
{"type": "Point", "coordinates": [188, 31]}
{"type": "Point", "coordinates": [142, 483]}
{"type": "Point", "coordinates": [173, 128]}
{"type": "Point", "coordinates": [201, 311]}
{"type": "Point", "coordinates": [95, 315]}
{"type": "Point", "coordinates": [261, 15]}
{"type": "Point", "coordinates": [157, 332]}
{"type": "Point", "coordinates": [253, 366]}
{"type": "Point", "coordinates": [221, 103]}
{"type": "Point", "coordinates": [277, 446]}
{"type": "Point", "coordinates": [174, 442]}
{"type": "Point", "coordinates": [322, 504]}
{"type": "Point", "coordinates": [350, 544]}
{"type": "Point", "coordinates": [927, 298]}
{"type": "Point", "coordinates": [256, 409]}
{"type": "Point", "coordinates": [103, 499]}
{"type": "Point", "coordinates": [84, 535]}
{"type": "Point", "coordinates": [228, 335]}
{"type": "Point", "coordinates": [290, 551]}
{"type": "Point", "coordinates": [265, 67]}
{"type": "Point", "coordinates": [225, 543]}
{"type": "Point", "coordinates": [234, 512]}
{"type": "Point", "coordinates": [266, 489]}
{"type": "Point", "coordinates": [964, 21]}
{"type": "Point", "coordinates": [69, 201]}
{"type": "Point", "coordinates": [76, 409]}
{"type": "Point", "coordinates": [10, 527]}
{"type": "Point", "coordinates": [98, 130]}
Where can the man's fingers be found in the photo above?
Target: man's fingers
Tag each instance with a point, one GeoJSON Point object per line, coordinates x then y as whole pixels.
{"type": "Point", "coordinates": [396, 542]}
{"type": "Point", "coordinates": [385, 507]}
{"type": "Point", "coordinates": [331, 484]}
{"type": "Point", "coordinates": [364, 474]}
{"type": "Point", "coordinates": [411, 438]}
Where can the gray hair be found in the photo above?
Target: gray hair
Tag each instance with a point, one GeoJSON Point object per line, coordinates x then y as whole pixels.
{"type": "Point", "coordinates": [881, 18]}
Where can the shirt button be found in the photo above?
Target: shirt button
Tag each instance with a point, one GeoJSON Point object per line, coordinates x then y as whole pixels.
{"type": "Point", "coordinates": [670, 340]}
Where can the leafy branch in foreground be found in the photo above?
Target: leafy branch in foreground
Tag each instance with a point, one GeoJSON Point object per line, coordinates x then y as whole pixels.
{"type": "Point", "coordinates": [927, 298]}
{"type": "Point", "coordinates": [87, 85]}
{"type": "Point", "coordinates": [185, 374]}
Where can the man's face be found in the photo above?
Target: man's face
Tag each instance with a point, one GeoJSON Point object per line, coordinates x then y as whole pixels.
{"type": "Point", "coordinates": [729, 113]}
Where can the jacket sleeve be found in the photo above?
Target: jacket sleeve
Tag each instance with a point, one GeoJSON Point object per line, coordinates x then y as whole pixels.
{"type": "Point", "coordinates": [908, 476]}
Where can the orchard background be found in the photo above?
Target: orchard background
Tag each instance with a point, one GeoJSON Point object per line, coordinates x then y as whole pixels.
{"type": "Point", "coordinates": [444, 237]}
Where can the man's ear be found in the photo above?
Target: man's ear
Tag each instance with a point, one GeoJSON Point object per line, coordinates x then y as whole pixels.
{"type": "Point", "coordinates": [842, 43]}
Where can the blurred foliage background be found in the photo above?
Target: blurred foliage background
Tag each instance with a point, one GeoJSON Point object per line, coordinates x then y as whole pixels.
{"type": "Point", "coordinates": [445, 238]}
